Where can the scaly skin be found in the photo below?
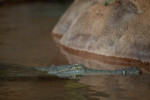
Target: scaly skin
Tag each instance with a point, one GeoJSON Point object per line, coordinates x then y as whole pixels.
{"type": "Point", "coordinates": [76, 70]}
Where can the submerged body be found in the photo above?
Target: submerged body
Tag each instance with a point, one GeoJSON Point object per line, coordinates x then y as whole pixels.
{"type": "Point", "coordinates": [77, 70]}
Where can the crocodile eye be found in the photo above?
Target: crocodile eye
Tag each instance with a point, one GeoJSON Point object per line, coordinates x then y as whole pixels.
{"type": "Point", "coordinates": [73, 68]}
{"type": "Point", "coordinates": [75, 65]}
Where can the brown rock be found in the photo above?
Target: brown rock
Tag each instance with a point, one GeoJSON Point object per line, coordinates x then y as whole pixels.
{"type": "Point", "coordinates": [120, 29]}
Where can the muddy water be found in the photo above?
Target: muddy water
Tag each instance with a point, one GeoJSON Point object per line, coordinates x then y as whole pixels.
{"type": "Point", "coordinates": [25, 42]}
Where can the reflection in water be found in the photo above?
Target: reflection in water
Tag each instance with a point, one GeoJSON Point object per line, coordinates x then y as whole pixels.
{"type": "Point", "coordinates": [119, 87]}
{"type": "Point", "coordinates": [26, 83]}
{"type": "Point", "coordinates": [116, 87]}
{"type": "Point", "coordinates": [113, 61]}
{"type": "Point", "coordinates": [73, 90]}
{"type": "Point", "coordinates": [25, 40]}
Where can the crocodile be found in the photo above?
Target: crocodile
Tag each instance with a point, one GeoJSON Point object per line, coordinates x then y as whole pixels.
{"type": "Point", "coordinates": [78, 70]}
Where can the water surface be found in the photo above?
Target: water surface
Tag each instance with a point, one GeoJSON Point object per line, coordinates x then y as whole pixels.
{"type": "Point", "coordinates": [25, 43]}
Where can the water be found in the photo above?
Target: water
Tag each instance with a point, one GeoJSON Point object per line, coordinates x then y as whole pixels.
{"type": "Point", "coordinates": [25, 43]}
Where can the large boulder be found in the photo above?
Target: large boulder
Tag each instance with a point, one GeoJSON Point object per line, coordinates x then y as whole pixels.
{"type": "Point", "coordinates": [70, 16]}
{"type": "Point", "coordinates": [121, 29]}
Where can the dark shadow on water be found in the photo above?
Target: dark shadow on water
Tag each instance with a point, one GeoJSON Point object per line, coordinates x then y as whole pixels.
{"type": "Point", "coordinates": [21, 73]}
{"type": "Point", "coordinates": [25, 34]}
{"type": "Point", "coordinates": [22, 82]}
{"type": "Point", "coordinates": [25, 43]}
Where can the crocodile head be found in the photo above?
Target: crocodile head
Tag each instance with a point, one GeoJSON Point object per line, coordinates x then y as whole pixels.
{"type": "Point", "coordinates": [75, 71]}
{"type": "Point", "coordinates": [78, 66]}
{"type": "Point", "coordinates": [75, 68]}
{"type": "Point", "coordinates": [68, 71]}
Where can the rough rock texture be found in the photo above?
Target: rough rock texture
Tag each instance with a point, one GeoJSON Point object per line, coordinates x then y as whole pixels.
{"type": "Point", "coordinates": [121, 29]}
{"type": "Point", "coordinates": [70, 16]}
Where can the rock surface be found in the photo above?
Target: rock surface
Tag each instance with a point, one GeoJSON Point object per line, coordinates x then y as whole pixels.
{"type": "Point", "coordinates": [121, 29]}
